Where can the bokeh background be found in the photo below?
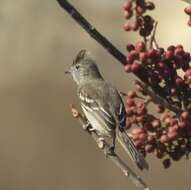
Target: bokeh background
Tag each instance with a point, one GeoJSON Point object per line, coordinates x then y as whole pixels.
{"type": "Point", "coordinates": [41, 146]}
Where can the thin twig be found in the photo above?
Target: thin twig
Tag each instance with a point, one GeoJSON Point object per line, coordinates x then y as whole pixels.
{"type": "Point", "coordinates": [156, 92]}
{"type": "Point", "coordinates": [188, 1]}
{"type": "Point", "coordinates": [104, 146]}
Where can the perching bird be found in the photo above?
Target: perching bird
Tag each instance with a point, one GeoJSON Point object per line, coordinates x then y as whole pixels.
{"type": "Point", "coordinates": [102, 104]}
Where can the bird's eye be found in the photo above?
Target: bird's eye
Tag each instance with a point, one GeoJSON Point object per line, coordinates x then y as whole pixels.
{"type": "Point", "coordinates": [77, 66]}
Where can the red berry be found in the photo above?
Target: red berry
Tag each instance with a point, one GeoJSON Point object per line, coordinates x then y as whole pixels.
{"type": "Point", "coordinates": [135, 137]}
{"type": "Point", "coordinates": [189, 22]}
{"type": "Point", "coordinates": [167, 121]}
{"type": "Point", "coordinates": [140, 10]}
{"type": "Point", "coordinates": [156, 123]}
{"type": "Point", "coordinates": [172, 135]}
{"type": "Point", "coordinates": [132, 94]}
{"type": "Point", "coordinates": [127, 26]}
{"type": "Point", "coordinates": [143, 136]}
{"type": "Point", "coordinates": [140, 118]}
{"type": "Point", "coordinates": [135, 66]}
{"type": "Point", "coordinates": [134, 26]}
{"type": "Point", "coordinates": [159, 109]}
{"type": "Point", "coordinates": [149, 148]}
{"type": "Point", "coordinates": [166, 163]}
{"type": "Point", "coordinates": [150, 5]}
{"type": "Point", "coordinates": [138, 143]}
{"type": "Point", "coordinates": [143, 56]}
{"type": "Point", "coordinates": [152, 53]}
{"type": "Point", "coordinates": [132, 56]}
{"type": "Point", "coordinates": [159, 154]}
{"type": "Point", "coordinates": [128, 68]}
{"type": "Point", "coordinates": [164, 138]}
{"type": "Point", "coordinates": [179, 51]}
{"type": "Point", "coordinates": [182, 125]}
{"type": "Point", "coordinates": [188, 73]}
{"type": "Point", "coordinates": [128, 14]}
{"type": "Point", "coordinates": [187, 10]}
{"type": "Point", "coordinates": [169, 54]}
{"type": "Point", "coordinates": [161, 65]}
{"type": "Point", "coordinates": [172, 129]}
{"type": "Point", "coordinates": [150, 139]}
{"type": "Point", "coordinates": [164, 116]}
{"type": "Point", "coordinates": [179, 82]}
{"type": "Point", "coordinates": [137, 130]}
{"type": "Point", "coordinates": [140, 46]}
{"type": "Point", "coordinates": [130, 47]}
{"type": "Point", "coordinates": [185, 115]}
{"type": "Point", "coordinates": [130, 102]}
{"type": "Point", "coordinates": [127, 5]}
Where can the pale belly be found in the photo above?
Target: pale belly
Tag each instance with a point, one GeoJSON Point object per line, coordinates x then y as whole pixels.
{"type": "Point", "coordinates": [98, 125]}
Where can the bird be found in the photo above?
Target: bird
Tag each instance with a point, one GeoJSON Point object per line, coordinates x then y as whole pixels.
{"type": "Point", "coordinates": [102, 105]}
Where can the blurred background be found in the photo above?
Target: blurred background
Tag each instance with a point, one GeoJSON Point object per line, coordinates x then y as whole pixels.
{"type": "Point", "coordinates": [41, 146]}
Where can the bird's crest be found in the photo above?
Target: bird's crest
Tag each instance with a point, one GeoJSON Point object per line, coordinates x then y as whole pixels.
{"type": "Point", "coordinates": [80, 56]}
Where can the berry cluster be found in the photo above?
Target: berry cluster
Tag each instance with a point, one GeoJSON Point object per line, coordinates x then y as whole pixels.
{"type": "Point", "coordinates": [134, 12]}
{"type": "Point", "coordinates": [165, 136]}
{"type": "Point", "coordinates": [163, 68]}
{"type": "Point", "coordinates": [187, 10]}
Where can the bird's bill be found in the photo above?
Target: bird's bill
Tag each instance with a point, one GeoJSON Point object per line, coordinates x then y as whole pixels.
{"type": "Point", "coordinates": [67, 72]}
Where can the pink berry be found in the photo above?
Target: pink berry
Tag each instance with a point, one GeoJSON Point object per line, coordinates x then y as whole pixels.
{"type": "Point", "coordinates": [189, 22]}
{"type": "Point", "coordinates": [130, 47]}
{"type": "Point", "coordinates": [134, 26]}
{"type": "Point", "coordinates": [149, 148]}
{"type": "Point", "coordinates": [130, 102]}
{"type": "Point", "coordinates": [143, 56]}
{"type": "Point", "coordinates": [128, 14]}
{"type": "Point", "coordinates": [132, 94]}
{"type": "Point", "coordinates": [178, 82]}
{"type": "Point", "coordinates": [132, 56]}
{"type": "Point", "coordinates": [150, 5]}
{"type": "Point", "coordinates": [143, 136]}
{"type": "Point", "coordinates": [135, 66]}
{"type": "Point", "coordinates": [185, 115]}
{"type": "Point", "coordinates": [169, 54]}
{"type": "Point", "coordinates": [138, 143]}
{"type": "Point", "coordinates": [140, 46]}
{"type": "Point", "coordinates": [187, 10]}
{"type": "Point", "coordinates": [156, 123]}
{"type": "Point", "coordinates": [182, 125]}
{"type": "Point", "coordinates": [164, 138]}
{"type": "Point", "coordinates": [127, 5]}
{"type": "Point", "coordinates": [137, 130]}
{"type": "Point", "coordinates": [172, 135]}
{"type": "Point", "coordinates": [127, 26]}
{"type": "Point", "coordinates": [128, 68]}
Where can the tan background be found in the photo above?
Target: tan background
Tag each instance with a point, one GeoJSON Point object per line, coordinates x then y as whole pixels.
{"type": "Point", "coordinates": [41, 146]}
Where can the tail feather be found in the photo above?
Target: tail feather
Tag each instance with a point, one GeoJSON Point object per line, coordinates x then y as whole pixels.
{"type": "Point", "coordinates": [130, 148]}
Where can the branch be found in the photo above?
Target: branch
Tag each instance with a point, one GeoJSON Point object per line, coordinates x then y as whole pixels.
{"type": "Point", "coordinates": [156, 92]}
{"type": "Point", "coordinates": [188, 1]}
{"type": "Point", "coordinates": [103, 145]}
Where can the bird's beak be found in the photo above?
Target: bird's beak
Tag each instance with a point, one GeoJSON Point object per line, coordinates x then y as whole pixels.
{"type": "Point", "coordinates": [67, 72]}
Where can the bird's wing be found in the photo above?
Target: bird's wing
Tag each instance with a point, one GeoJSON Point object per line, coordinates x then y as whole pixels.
{"type": "Point", "coordinates": [126, 142]}
{"type": "Point", "coordinates": [94, 101]}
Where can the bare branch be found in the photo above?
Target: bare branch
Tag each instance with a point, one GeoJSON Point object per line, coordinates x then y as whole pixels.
{"type": "Point", "coordinates": [188, 1]}
{"type": "Point", "coordinates": [103, 145]}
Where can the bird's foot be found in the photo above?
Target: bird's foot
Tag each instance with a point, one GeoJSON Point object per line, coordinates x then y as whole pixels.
{"type": "Point", "coordinates": [87, 126]}
{"type": "Point", "coordinates": [110, 151]}
{"type": "Point", "coordinates": [101, 142]}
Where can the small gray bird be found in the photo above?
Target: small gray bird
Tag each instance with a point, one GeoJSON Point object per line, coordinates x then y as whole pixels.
{"type": "Point", "coordinates": [102, 104]}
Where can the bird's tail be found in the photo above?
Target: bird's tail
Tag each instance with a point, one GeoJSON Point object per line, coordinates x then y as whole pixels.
{"type": "Point", "coordinates": [131, 150]}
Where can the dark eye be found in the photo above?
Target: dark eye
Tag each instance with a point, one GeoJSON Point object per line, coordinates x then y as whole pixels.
{"type": "Point", "coordinates": [77, 66]}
